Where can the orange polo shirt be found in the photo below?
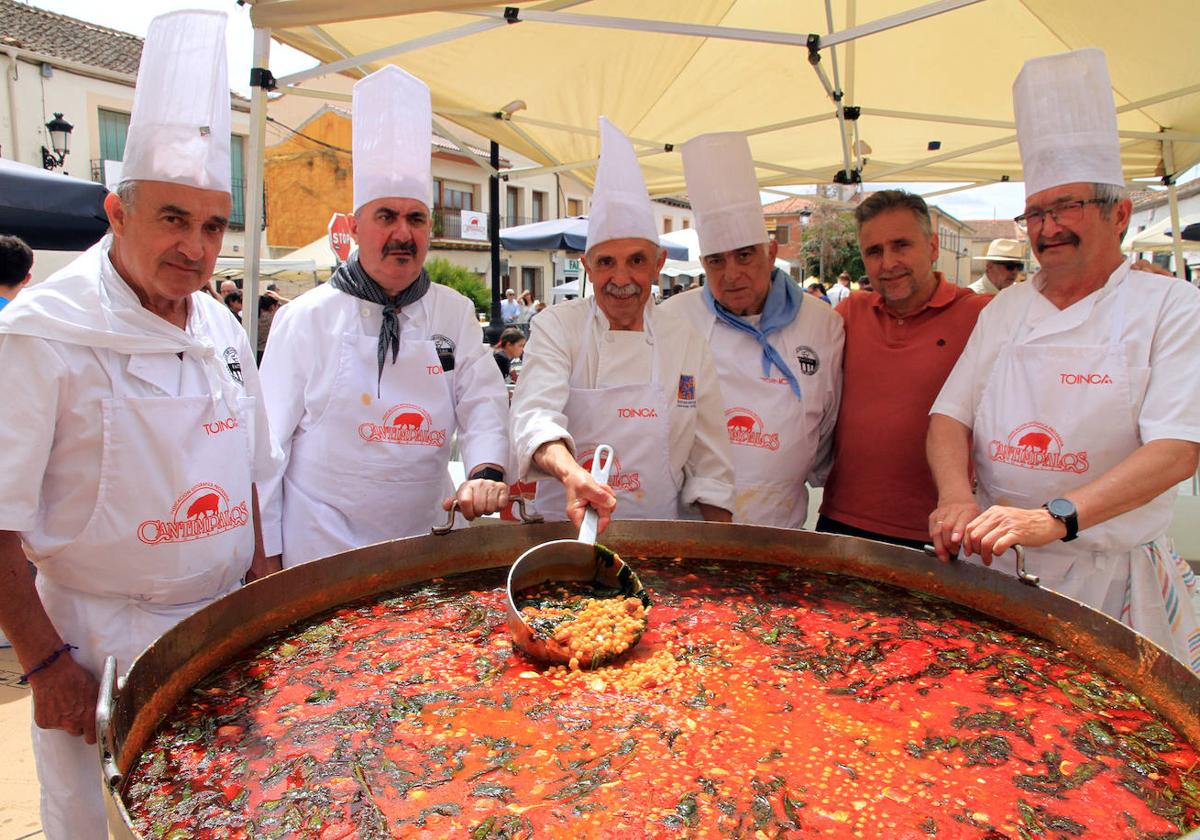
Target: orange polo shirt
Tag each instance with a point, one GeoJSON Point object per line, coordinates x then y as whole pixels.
{"type": "Point", "coordinates": [893, 369]}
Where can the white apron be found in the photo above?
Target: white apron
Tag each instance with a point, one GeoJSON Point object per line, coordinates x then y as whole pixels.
{"type": "Point", "coordinates": [771, 436]}
{"type": "Point", "coordinates": [172, 531]}
{"type": "Point", "coordinates": [371, 469]}
{"type": "Point", "coordinates": [1041, 431]}
{"type": "Point", "coordinates": [633, 419]}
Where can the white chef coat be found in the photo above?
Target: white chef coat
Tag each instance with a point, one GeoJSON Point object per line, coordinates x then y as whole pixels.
{"type": "Point", "coordinates": [300, 369]}
{"type": "Point", "coordinates": [983, 286]}
{"type": "Point", "coordinates": [812, 347]}
{"type": "Point", "coordinates": [1144, 331]}
{"type": "Point", "coordinates": [74, 406]}
{"type": "Point", "coordinates": [699, 443]}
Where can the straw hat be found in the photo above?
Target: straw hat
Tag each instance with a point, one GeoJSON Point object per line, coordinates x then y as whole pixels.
{"type": "Point", "coordinates": [1004, 250]}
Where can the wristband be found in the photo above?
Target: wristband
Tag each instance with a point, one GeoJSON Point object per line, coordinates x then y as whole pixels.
{"type": "Point", "coordinates": [45, 663]}
{"type": "Point", "coordinates": [488, 474]}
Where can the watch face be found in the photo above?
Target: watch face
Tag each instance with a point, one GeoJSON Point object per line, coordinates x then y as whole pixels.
{"type": "Point", "coordinates": [1061, 507]}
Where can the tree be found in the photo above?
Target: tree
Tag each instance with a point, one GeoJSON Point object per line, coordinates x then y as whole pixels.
{"type": "Point", "coordinates": [830, 240]}
{"type": "Point", "coordinates": [462, 280]}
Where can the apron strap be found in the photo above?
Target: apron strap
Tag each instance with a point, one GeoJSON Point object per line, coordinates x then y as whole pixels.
{"type": "Point", "coordinates": [589, 331]}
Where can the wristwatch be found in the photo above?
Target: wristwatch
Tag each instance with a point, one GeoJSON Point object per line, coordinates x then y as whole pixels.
{"type": "Point", "coordinates": [1064, 511]}
{"type": "Point", "coordinates": [489, 473]}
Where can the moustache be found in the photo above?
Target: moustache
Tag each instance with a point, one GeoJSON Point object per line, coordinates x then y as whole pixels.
{"type": "Point", "coordinates": [408, 248]}
{"type": "Point", "coordinates": [1066, 238]}
{"type": "Point", "coordinates": [628, 290]}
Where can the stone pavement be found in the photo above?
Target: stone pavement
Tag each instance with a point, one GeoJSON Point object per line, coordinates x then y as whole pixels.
{"type": "Point", "coordinates": [18, 780]}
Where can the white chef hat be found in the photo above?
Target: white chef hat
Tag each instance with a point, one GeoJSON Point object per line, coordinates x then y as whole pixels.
{"type": "Point", "coordinates": [620, 204]}
{"type": "Point", "coordinates": [1066, 121]}
{"type": "Point", "coordinates": [393, 131]}
{"type": "Point", "coordinates": [179, 128]}
{"type": "Point", "coordinates": [724, 192]}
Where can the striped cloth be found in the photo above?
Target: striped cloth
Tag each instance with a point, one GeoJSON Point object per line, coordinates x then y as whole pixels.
{"type": "Point", "coordinates": [1179, 590]}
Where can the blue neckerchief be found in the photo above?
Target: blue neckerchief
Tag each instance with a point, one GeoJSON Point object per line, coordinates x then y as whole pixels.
{"type": "Point", "coordinates": [780, 309]}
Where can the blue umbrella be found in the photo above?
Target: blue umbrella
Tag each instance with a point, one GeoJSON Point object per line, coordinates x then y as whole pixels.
{"type": "Point", "coordinates": [562, 235]}
{"type": "Point", "coordinates": [48, 210]}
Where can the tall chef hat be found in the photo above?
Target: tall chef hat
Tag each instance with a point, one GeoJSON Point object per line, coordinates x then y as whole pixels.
{"type": "Point", "coordinates": [620, 204]}
{"type": "Point", "coordinates": [1066, 121]}
{"type": "Point", "coordinates": [179, 128]}
{"type": "Point", "coordinates": [724, 192]}
{"type": "Point", "coordinates": [393, 131]}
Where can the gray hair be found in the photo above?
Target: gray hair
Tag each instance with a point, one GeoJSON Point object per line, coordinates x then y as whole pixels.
{"type": "Point", "coordinates": [1110, 194]}
{"type": "Point", "coordinates": [126, 191]}
{"type": "Point", "coordinates": [885, 200]}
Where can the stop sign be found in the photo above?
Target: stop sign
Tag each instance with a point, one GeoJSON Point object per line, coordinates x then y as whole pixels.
{"type": "Point", "coordinates": [340, 240]}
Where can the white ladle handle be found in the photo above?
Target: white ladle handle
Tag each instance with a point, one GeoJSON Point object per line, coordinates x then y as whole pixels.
{"type": "Point", "coordinates": [601, 464]}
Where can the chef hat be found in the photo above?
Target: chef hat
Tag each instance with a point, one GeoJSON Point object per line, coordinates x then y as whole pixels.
{"type": "Point", "coordinates": [1066, 121]}
{"type": "Point", "coordinates": [179, 128]}
{"type": "Point", "coordinates": [620, 204]}
{"type": "Point", "coordinates": [724, 192]}
{"type": "Point", "coordinates": [393, 134]}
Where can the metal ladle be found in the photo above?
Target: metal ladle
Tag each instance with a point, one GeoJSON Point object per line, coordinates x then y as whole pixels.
{"type": "Point", "coordinates": [569, 560]}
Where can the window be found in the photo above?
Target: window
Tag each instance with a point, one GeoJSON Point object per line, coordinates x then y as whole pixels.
{"type": "Point", "coordinates": [539, 206]}
{"type": "Point", "coordinates": [458, 196]}
{"type": "Point", "coordinates": [237, 217]}
{"type": "Point", "coordinates": [512, 206]}
{"type": "Point", "coordinates": [687, 223]}
{"type": "Point", "coordinates": [783, 233]}
{"type": "Point", "coordinates": [668, 224]}
{"type": "Point", "coordinates": [114, 128]}
{"type": "Point", "coordinates": [574, 207]}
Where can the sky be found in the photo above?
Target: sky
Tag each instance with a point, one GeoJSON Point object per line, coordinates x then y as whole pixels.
{"type": "Point", "coordinates": [995, 201]}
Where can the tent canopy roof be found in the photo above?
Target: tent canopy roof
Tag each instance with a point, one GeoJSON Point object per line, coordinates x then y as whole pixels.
{"type": "Point", "coordinates": [933, 91]}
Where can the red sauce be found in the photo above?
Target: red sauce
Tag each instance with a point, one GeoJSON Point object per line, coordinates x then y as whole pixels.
{"type": "Point", "coordinates": [761, 702]}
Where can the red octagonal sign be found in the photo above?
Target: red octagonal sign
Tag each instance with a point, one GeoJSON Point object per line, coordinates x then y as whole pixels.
{"type": "Point", "coordinates": [340, 240]}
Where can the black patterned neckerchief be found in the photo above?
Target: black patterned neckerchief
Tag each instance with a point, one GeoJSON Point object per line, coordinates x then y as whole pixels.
{"type": "Point", "coordinates": [353, 280]}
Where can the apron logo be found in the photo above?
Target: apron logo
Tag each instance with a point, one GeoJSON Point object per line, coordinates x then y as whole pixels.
{"type": "Point", "coordinates": [1036, 446]}
{"type": "Point", "coordinates": [686, 396]}
{"type": "Point", "coordinates": [808, 360]}
{"type": "Point", "coordinates": [627, 482]}
{"type": "Point", "coordinates": [626, 413]}
{"type": "Point", "coordinates": [234, 364]}
{"type": "Point", "coordinates": [445, 350]}
{"type": "Point", "coordinates": [746, 429]}
{"type": "Point", "coordinates": [218, 426]}
{"type": "Point", "coordinates": [203, 511]}
{"type": "Point", "coordinates": [406, 424]}
{"type": "Point", "coordinates": [1085, 379]}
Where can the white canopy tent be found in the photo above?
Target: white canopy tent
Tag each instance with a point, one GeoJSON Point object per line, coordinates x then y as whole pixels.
{"type": "Point", "coordinates": [826, 90]}
{"type": "Point", "coordinates": [1160, 236]}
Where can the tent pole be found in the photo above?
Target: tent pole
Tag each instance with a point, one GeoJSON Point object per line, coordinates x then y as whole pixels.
{"type": "Point", "coordinates": [1168, 149]}
{"type": "Point", "coordinates": [254, 183]}
{"type": "Point", "coordinates": [496, 326]}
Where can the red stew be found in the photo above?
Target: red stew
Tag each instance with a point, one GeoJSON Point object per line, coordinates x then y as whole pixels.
{"type": "Point", "coordinates": [761, 702]}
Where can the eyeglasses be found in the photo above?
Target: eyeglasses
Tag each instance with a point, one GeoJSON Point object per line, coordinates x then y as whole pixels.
{"type": "Point", "coordinates": [1067, 213]}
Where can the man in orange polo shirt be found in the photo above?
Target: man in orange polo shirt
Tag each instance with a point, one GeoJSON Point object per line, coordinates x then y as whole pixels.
{"type": "Point", "coordinates": [902, 339]}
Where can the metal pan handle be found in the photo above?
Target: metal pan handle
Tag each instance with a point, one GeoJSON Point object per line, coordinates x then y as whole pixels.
{"type": "Point", "coordinates": [526, 517]}
{"type": "Point", "coordinates": [1022, 575]}
{"type": "Point", "coordinates": [104, 713]}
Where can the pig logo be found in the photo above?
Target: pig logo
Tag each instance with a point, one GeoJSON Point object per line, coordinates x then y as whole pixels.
{"type": "Point", "coordinates": [618, 479]}
{"type": "Point", "coordinates": [746, 429]}
{"type": "Point", "coordinates": [202, 511]}
{"type": "Point", "coordinates": [405, 424]}
{"type": "Point", "coordinates": [1036, 446]}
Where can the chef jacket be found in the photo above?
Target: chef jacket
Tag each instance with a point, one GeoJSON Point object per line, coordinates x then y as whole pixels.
{"type": "Point", "coordinates": [299, 381]}
{"type": "Point", "coordinates": [811, 345]}
{"type": "Point", "coordinates": [699, 443]}
{"type": "Point", "coordinates": [1160, 338]}
{"type": "Point", "coordinates": [52, 435]}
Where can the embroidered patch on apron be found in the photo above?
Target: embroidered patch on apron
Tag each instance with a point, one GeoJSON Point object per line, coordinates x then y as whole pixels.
{"type": "Point", "coordinates": [808, 360]}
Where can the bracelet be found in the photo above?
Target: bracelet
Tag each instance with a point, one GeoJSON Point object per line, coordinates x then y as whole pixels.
{"type": "Point", "coordinates": [488, 473]}
{"type": "Point", "coordinates": [45, 663]}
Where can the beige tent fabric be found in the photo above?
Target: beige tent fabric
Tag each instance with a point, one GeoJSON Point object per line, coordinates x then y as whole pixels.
{"type": "Point", "coordinates": [930, 80]}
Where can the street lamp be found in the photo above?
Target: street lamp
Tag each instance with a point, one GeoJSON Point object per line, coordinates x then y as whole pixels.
{"type": "Point", "coordinates": [60, 140]}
